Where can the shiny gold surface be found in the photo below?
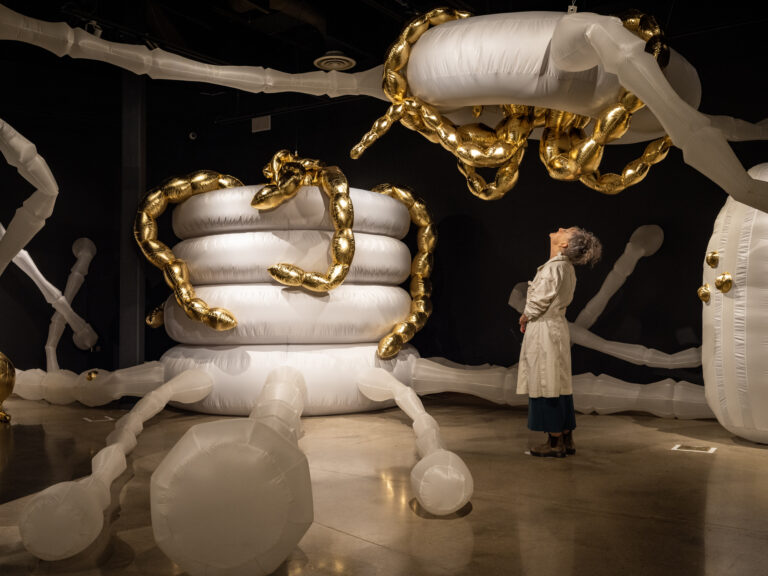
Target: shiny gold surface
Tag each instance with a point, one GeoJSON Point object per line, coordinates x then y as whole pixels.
{"type": "Point", "coordinates": [566, 151]}
{"type": "Point", "coordinates": [7, 380]}
{"type": "Point", "coordinates": [174, 269]}
{"type": "Point", "coordinates": [724, 282]}
{"type": "Point", "coordinates": [704, 293]}
{"type": "Point", "coordinates": [286, 173]}
{"type": "Point", "coordinates": [712, 259]}
{"type": "Point", "coordinates": [421, 269]}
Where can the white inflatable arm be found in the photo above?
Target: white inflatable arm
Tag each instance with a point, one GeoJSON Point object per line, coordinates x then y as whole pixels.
{"type": "Point", "coordinates": [234, 496]}
{"type": "Point", "coordinates": [582, 40]}
{"type": "Point", "coordinates": [61, 39]}
{"type": "Point", "coordinates": [84, 251]}
{"type": "Point", "coordinates": [30, 217]}
{"type": "Point", "coordinates": [441, 480]}
{"type": "Point", "coordinates": [67, 517]}
{"type": "Point", "coordinates": [84, 335]}
{"type": "Point", "coordinates": [667, 399]}
{"type": "Point", "coordinates": [93, 387]}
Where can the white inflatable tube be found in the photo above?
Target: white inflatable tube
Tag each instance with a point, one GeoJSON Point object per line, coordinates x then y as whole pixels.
{"type": "Point", "coordinates": [441, 480]}
{"type": "Point", "coordinates": [244, 257]}
{"type": "Point", "coordinates": [273, 314]}
{"type": "Point", "coordinates": [64, 519]}
{"type": "Point", "coordinates": [30, 217]}
{"type": "Point", "coordinates": [234, 497]}
{"type": "Point", "coordinates": [230, 210]}
{"type": "Point", "coordinates": [330, 373]}
{"type": "Point", "coordinates": [84, 335]}
{"type": "Point", "coordinates": [84, 251]}
{"type": "Point", "coordinates": [93, 387]}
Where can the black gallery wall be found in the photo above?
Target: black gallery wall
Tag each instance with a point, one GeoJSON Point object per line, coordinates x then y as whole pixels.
{"type": "Point", "coordinates": [72, 111]}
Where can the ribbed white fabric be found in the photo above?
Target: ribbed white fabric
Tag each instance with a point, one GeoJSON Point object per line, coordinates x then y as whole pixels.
{"type": "Point", "coordinates": [272, 314]}
{"type": "Point", "coordinates": [244, 257]}
{"type": "Point", "coordinates": [330, 373]}
{"type": "Point", "coordinates": [735, 324]}
{"type": "Point", "coordinates": [230, 210]}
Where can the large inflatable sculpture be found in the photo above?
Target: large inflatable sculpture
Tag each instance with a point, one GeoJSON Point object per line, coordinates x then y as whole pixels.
{"type": "Point", "coordinates": [337, 340]}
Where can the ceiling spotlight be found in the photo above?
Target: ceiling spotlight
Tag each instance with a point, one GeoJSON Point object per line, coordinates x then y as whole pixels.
{"type": "Point", "coordinates": [334, 60]}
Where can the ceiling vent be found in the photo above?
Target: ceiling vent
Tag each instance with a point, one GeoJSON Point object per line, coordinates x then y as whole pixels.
{"type": "Point", "coordinates": [334, 60]}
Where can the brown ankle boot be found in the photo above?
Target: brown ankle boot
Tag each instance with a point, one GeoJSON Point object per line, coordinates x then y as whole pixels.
{"type": "Point", "coordinates": [570, 447]}
{"type": "Point", "coordinates": [554, 447]}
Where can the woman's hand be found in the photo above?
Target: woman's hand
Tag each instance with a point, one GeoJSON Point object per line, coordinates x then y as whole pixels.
{"type": "Point", "coordinates": [523, 322]}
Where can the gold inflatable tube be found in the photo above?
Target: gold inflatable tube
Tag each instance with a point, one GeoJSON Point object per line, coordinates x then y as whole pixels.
{"type": "Point", "coordinates": [421, 270]}
{"type": "Point", "coordinates": [286, 174]}
{"type": "Point", "coordinates": [175, 271]}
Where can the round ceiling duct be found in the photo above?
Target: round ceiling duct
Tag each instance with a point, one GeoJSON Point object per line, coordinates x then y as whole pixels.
{"type": "Point", "coordinates": [334, 60]}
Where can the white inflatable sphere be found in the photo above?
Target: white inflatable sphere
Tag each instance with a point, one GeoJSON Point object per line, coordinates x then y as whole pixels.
{"type": "Point", "coordinates": [230, 210]}
{"type": "Point", "coordinates": [735, 323]}
{"type": "Point", "coordinates": [330, 373]}
{"type": "Point", "coordinates": [232, 497]}
{"type": "Point", "coordinates": [245, 257]}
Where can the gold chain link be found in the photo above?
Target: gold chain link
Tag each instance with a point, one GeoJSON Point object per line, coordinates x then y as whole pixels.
{"type": "Point", "coordinates": [421, 270]}
{"type": "Point", "coordinates": [564, 149]}
{"type": "Point", "coordinates": [287, 173]}
{"type": "Point", "coordinates": [174, 269]}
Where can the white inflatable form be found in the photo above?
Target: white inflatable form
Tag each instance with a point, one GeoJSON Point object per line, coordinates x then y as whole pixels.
{"type": "Point", "coordinates": [66, 518]}
{"type": "Point", "coordinates": [472, 61]}
{"type": "Point", "coordinates": [441, 481]}
{"type": "Point", "coordinates": [735, 353]}
{"type": "Point", "coordinates": [234, 497]}
{"type": "Point", "coordinates": [244, 257]}
{"type": "Point", "coordinates": [230, 210]}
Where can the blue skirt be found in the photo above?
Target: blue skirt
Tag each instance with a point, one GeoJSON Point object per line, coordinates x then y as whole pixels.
{"type": "Point", "coordinates": [551, 414]}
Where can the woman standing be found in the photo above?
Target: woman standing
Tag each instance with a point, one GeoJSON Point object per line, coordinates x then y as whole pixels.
{"type": "Point", "coordinates": [544, 372]}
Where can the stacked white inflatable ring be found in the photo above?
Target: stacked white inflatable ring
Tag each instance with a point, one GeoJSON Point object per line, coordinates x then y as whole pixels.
{"type": "Point", "coordinates": [228, 246]}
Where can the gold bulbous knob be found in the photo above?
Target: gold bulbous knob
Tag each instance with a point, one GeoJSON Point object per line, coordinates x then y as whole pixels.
{"type": "Point", "coordinates": [713, 259]}
{"type": "Point", "coordinates": [703, 293]}
{"type": "Point", "coordinates": [724, 282]}
{"type": "Point", "coordinates": [7, 380]}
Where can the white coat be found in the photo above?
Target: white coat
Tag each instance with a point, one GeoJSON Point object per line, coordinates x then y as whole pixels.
{"type": "Point", "coordinates": [545, 356]}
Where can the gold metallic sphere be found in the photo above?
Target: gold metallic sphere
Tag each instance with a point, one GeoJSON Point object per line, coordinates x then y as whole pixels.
{"type": "Point", "coordinates": [703, 293]}
{"type": "Point", "coordinates": [724, 282]}
{"type": "Point", "coordinates": [7, 380]}
{"type": "Point", "coordinates": [713, 259]}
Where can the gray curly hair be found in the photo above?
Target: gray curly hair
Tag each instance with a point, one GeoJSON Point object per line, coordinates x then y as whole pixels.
{"type": "Point", "coordinates": [583, 248]}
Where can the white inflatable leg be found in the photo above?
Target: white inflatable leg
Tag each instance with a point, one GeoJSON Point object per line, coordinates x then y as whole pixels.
{"type": "Point", "coordinates": [667, 399]}
{"type": "Point", "coordinates": [582, 40]}
{"type": "Point", "coordinates": [234, 496]}
{"type": "Point", "coordinates": [94, 387]}
{"type": "Point", "coordinates": [441, 480]}
{"type": "Point", "coordinates": [30, 217]}
{"type": "Point", "coordinates": [64, 519]}
{"type": "Point", "coordinates": [84, 336]}
{"type": "Point", "coordinates": [84, 251]}
{"type": "Point", "coordinates": [60, 39]}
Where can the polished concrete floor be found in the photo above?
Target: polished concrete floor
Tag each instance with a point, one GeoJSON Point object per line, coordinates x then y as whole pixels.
{"type": "Point", "coordinates": [626, 504]}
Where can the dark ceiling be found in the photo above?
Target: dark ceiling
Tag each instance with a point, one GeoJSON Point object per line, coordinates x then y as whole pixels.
{"type": "Point", "coordinates": [289, 34]}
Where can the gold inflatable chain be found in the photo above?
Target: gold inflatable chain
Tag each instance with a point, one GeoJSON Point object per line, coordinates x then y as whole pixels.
{"type": "Point", "coordinates": [421, 270]}
{"type": "Point", "coordinates": [565, 150]}
{"type": "Point", "coordinates": [286, 174]}
{"type": "Point", "coordinates": [174, 269]}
